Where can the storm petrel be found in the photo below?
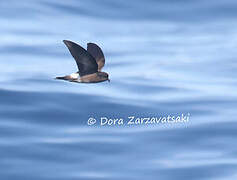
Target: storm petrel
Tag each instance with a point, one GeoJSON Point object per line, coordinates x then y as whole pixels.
{"type": "Point", "coordinates": [89, 63]}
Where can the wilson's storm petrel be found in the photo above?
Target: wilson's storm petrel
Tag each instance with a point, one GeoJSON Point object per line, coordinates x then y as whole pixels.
{"type": "Point", "coordinates": [89, 63]}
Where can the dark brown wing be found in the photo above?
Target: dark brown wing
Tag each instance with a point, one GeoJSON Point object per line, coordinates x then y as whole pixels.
{"type": "Point", "coordinates": [97, 53]}
{"type": "Point", "coordinates": [86, 63]}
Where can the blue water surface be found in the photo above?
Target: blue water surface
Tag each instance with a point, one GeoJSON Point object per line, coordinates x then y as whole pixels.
{"type": "Point", "coordinates": [165, 58]}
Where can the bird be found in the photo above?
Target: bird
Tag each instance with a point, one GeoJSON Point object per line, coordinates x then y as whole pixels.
{"type": "Point", "coordinates": [89, 62]}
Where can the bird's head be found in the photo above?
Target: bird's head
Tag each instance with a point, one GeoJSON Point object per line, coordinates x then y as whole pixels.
{"type": "Point", "coordinates": [104, 76]}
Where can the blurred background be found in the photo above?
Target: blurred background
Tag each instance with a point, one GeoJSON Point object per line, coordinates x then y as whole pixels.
{"type": "Point", "coordinates": [164, 58]}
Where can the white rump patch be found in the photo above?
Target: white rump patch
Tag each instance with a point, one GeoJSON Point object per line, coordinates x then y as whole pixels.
{"type": "Point", "coordinates": [74, 75]}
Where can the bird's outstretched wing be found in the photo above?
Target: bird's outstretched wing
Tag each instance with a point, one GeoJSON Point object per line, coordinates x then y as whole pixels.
{"type": "Point", "coordinates": [97, 53]}
{"type": "Point", "coordinates": [86, 63]}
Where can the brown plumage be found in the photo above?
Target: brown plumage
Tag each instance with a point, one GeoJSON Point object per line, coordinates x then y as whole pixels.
{"type": "Point", "coordinates": [89, 63]}
{"type": "Point", "coordinates": [97, 53]}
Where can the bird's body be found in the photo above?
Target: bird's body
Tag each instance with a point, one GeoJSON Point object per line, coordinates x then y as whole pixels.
{"type": "Point", "coordinates": [89, 62]}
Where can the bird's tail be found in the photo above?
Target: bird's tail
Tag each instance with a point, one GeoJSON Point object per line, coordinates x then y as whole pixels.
{"type": "Point", "coordinates": [64, 78]}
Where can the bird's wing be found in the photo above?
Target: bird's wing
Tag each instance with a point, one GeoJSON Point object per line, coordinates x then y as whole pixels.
{"type": "Point", "coordinates": [97, 53]}
{"type": "Point", "coordinates": [86, 63]}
